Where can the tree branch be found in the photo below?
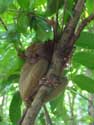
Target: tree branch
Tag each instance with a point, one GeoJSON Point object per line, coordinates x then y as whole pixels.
{"type": "Point", "coordinates": [83, 24]}
{"type": "Point", "coordinates": [47, 116]}
{"type": "Point", "coordinates": [72, 23]}
{"type": "Point", "coordinates": [36, 105]}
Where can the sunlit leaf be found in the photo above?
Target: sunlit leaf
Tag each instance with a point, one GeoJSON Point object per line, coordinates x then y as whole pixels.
{"type": "Point", "coordinates": [85, 83]}
{"type": "Point", "coordinates": [22, 23]}
{"type": "Point", "coordinates": [90, 6]}
{"type": "Point", "coordinates": [36, 3]}
{"type": "Point", "coordinates": [57, 103]}
{"type": "Point", "coordinates": [53, 6]}
{"type": "Point", "coordinates": [12, 34]}
{"type": "Point", "coordinates": [68, 10]}
{"type": "Point", "coordinates": [43, 30]}
{"type": "Point", "coordinates": [4, 5]}
{"type": "Point", "coordinates": [85, 58]}
{"type": "Point", "coordinates": [86, 40]}
{"type": "Point", "coordinates": [24, 3]}
{"type": "Point", "coordinates": [11, 63]}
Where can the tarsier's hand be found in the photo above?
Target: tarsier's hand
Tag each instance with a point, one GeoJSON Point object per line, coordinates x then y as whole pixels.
{"type": "Point", "coordinates": [52, 81]}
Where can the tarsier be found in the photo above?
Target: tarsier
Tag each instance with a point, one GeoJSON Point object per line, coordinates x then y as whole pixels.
{"type": "Point", "coordinates": [37, 62]}
{"type": "Point", "coordinates": [38, 58]}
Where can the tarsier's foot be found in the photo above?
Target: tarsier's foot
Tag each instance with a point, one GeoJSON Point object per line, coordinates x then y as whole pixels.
{"type": "Point", "coordinates": [52, 81]}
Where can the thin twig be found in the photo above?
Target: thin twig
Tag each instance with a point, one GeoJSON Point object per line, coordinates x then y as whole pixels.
{"type": "Point", "coordinates": [71, 104]}
{"type": "Point", "coordinates": [4, 25]}
{"type": "Point", "coordinates": [75, 92]}
{"type": "Point", "coordinates": [64, 11]}
{"type": "Point", "coordinates": [47, 116]}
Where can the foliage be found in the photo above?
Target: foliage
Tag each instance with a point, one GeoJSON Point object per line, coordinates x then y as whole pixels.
{"type": "Point", "coordinates": [15, 111]}
{"type": "Point", "coordinates": [24, 21]}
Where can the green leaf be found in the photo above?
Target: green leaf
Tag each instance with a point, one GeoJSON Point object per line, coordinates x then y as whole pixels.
{"type": "Point", "coordinates": [15, 108]}
{"type": "Point", "coordinates": [64, 113]}
{"type": "Point", "coordinates": [13, 78]}
{"type": "Point", "coordinates": [68, 10]}
{"type": "Point", "coordinates": [57, 103]}
{"type": "Point", "coordinates": [85, 58]}
{"type": "Point", "coordinates": [85, 83]}
{"type": "Point", "coordinates": [24, 3]}
{"type": "Point", "coordinates": [3, 123]}
{"type": "Point", "coordinates": [3, 35]}
{"type": "Point", "coordinates": [6, 82]}
{"type": "Point", "coordinates": [52, 6]}
{"type": "Point", "coordinates": [42, 35]}
{"type": "Point", "coordinates": [86, 40]}
{"type": "Point", "coordinates": [39, 2]}
{"type": "Point", "coordinates": [11, 63]}
{"type": "Point", "coordinates": [36, 3]}
{"type": "Point", "coordinates": [41, 118]}
{"type": "Point", "coordinates": [43, 30]}
{"type": "Point", "coordinates": [12, 34]}
{"type": "Point", "coordinates": [22, 23]}
{"type": "Point", "coordinates": [4, 4]}
{"type": "Point", "coordinates": [90, 6]}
